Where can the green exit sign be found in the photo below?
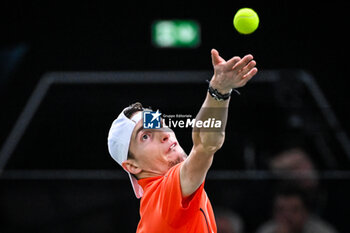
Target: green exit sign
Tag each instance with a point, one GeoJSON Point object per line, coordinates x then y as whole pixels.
{"type": "Point", "coordinates": [176, 34]}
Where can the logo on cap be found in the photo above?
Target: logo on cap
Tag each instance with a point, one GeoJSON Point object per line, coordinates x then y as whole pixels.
{"type": "Point", "coordinates": [151, 120]}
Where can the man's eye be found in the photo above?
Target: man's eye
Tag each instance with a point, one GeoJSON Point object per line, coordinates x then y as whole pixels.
{"type": "Point", "coordinates": [144, 137]}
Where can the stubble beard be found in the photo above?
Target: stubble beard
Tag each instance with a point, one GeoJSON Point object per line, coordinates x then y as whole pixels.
{"type": "Point", "coordinates": [177, 160]}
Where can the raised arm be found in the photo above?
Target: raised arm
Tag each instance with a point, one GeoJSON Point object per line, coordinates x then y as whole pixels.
{"type": "Point", "coordinates": [233, 73]}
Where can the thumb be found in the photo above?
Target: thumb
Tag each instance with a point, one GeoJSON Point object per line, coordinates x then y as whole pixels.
{"type": "Point", "coordinates": [215, 58]}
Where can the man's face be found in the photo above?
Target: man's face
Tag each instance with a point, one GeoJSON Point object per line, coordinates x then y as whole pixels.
{"type": "Point", "coordinates": [296, 162]}
{"type": "Point", "coordinates": [290, 212]}
{"type": "Point", "coordinates": [155, 150]}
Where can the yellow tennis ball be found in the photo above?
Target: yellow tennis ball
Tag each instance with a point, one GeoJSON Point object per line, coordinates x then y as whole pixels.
{"type": "Point", "coordinates": [246, 21]}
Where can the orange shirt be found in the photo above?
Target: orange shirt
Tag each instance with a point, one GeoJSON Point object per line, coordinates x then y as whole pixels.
{"type": "Point", "coordinates": [164, 210]}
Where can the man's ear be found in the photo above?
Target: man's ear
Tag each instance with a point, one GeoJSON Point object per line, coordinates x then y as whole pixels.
{"type": "Point", "coordinates": [131, 166]}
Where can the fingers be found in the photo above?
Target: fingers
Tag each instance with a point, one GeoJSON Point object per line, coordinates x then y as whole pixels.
{"type": "Point", "coordinates": [247, 68]}
{"type": "Point", "coordinates": [250, 74]}
{"type": "Point", "coordinates": [215, 58]}
{"type": "Point", "coordinates": [245, 79]}
{"type": "Point", "coordinates": [236, 72]}
{"type": "Point", "coordinates": [232, 62]}
{"type": "Point", "coordinates": [243, 62]}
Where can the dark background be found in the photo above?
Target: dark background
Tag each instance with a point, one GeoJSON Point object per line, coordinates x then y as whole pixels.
{"type": "Point", "coordinates": [40, 37]}
{"type": "Point", "coordinates": [100, 36]}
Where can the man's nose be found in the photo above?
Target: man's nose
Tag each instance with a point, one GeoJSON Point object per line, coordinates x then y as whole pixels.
{"type": "Point", "coordinates": [164, 136]}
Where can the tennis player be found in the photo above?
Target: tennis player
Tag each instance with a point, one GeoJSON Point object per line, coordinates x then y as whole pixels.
{"type": "Point", "coordinates": [170, 183]}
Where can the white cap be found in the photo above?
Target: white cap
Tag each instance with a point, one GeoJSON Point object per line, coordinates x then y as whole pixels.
{"type": "Point", "coordinates": [119, 141]}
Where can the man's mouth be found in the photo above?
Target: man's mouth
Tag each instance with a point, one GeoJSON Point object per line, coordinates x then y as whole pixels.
{"type": "Point", "coordinates": [172, 146]}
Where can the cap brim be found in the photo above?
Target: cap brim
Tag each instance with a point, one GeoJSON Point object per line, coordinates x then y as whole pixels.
{"type": "Point", "coordinates": [135, 185]}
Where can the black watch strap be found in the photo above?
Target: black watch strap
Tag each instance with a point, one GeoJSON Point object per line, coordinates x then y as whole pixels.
{"type": "Point", "coordinates": [219, 96]}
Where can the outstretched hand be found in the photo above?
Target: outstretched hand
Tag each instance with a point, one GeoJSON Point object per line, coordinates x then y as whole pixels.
{"type": "Point", "coordinates": [233, 73]}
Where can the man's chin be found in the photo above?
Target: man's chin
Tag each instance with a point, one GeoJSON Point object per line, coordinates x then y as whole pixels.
{"type": "Point", "coordinates": [179, 159]}
{"type": "Point", "coordinates": [174, 162]}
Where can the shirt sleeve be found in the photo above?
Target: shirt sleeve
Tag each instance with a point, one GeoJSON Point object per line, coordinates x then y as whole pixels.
{"type": "Point", "coordinates": [175, 209]}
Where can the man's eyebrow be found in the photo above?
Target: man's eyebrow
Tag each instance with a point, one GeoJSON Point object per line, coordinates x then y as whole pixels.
{"type": "Point", "coordinates": [138, 131]}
